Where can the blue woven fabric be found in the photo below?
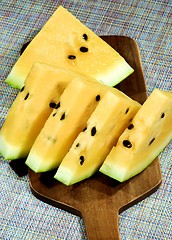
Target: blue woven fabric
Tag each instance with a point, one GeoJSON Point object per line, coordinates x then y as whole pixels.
{"type": "Point", "coordinates": [22, 216]}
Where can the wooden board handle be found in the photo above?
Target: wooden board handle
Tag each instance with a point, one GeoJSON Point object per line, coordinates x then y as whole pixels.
{"type": "Point", "coordinates": [101, 222]}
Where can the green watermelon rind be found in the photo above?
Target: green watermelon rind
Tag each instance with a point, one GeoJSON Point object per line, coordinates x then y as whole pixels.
{"type": "Point", "coordinates": [109, 78]}
{"type": "Point", "coordinates": [37, 165]}
{"type": "Point", "coordinates": [8, 151]}
{"type": "Point", "coordinates": [122, 174]}
{"type": "Point", "coordinates": [66, 176]}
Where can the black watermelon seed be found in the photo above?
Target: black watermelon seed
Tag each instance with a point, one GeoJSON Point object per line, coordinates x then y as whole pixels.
{"type": "Point", "coordinates": [54, 114]}
{"type": "Point", "coordinates": [151, 141]}
{"type": "Point", "coordinates": [126, 110]}
{"type": "Point", "coordinates": [85, 36]}
{"type": "Point", "coordinates": [127, 143]}
{"type": "Point", "coordinates": [24, 47]}
{"type": "Point", "coordinates": [83, 49]}
{"type": "Point", "coordinates": [131, 126]}
{"type": "Point", "coordinates": [27, 95]}
{"type": "Point", "coordinates": [98, 98]}
{"type": "Point", "coordinates": [93, 131]}
{"type": "Point", "coordinates": [71, 57]}
{"type": "Point", "coordinates": [21, 90]}
{"type": "Point", "coordinates": [162, 115]}
{"type": "Point", "coordinates": [81, 160]}
{"type": "Point", "coordinates": [84, 129]}
{"type": "Point", "coordinates": [52, 140]}
{"type": "Point", "coordinates": [57, 105]}
{"type": "Point", "coordinates": [63, 116]}
{"type": "Point", "coordinates": [52, 104]}
{"type": "Point", "coordinates": [77, 145]}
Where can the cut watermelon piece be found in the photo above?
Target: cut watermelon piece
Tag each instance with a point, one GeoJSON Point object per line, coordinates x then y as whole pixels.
{"type": "Point", "coordinates": [77, 102]}
{"type": "Point", "coordinates": [143, 140]}
{"type": "Point", "coordinates": [32, 107]}
{"type": "Point", "coordinates": [91, 147]}
{"type": "Point", "coordinates": [65, 42]}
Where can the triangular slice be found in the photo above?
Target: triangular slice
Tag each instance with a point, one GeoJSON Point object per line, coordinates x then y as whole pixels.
{"type": "Point", "coordinates": [65, 42]}
{"type": "Point", "coordinates": [31, 108]}
{"type": "Point", "coordinates": [91, 147]}
{"type": "Point", "coordinates": [143, 140]}
{"type": "Point", "coordinates": [75, 105]}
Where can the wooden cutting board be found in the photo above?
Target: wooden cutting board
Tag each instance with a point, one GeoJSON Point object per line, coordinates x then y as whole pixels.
{"type": "Point", "coordinates": [100, 199]}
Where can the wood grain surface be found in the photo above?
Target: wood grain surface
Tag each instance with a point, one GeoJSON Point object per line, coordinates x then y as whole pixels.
{"type": "Point", "coordinates": [99, 199]}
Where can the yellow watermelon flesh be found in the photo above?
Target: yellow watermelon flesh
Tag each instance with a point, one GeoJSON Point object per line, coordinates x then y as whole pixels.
{"type": "Point", "coordinates": [65, 42]}
{"type": "Point", "coordinates": [32, 107]}
{"type": "Point", "coordinates": [91, 147]}
{"type": "Point", "coordinates": [148, 134]}
{"type": "Point", "coordinates": [76, 104]}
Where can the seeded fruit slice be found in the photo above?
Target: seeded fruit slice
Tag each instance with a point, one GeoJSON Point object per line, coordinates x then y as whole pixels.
{"type": "Point", "coordinates": [32, 107]}
{"type": "Point", "coordinates": [146, 136]}
{"type": "Point", "coordinates": [69, 117]}
{"type": "Point", "coordinates": [91, 147]}
{"type": "Point", "coordinates": [65, 42]}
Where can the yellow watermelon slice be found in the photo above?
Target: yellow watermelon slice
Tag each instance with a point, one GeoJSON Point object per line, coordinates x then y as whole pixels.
{"type": "Point", "coordinates": [32, 107]}
{"type": "Point", "coordinates": [90, 148]}
{"type": "Point", "coordinates": [77, 102]}
{"type": "Point", "coordinates": [75, 105]}
{"type": "Point", "coordinates": [65, 42]}
{"type": "Point", "coordinates": [147, 135]}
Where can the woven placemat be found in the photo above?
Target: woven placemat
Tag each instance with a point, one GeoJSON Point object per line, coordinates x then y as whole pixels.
{"type": "Point", "coordinates": [22, 216]}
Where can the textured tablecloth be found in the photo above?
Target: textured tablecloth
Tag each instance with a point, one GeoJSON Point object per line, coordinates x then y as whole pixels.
{"type": "Point", "coordinates": [22, 216]}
